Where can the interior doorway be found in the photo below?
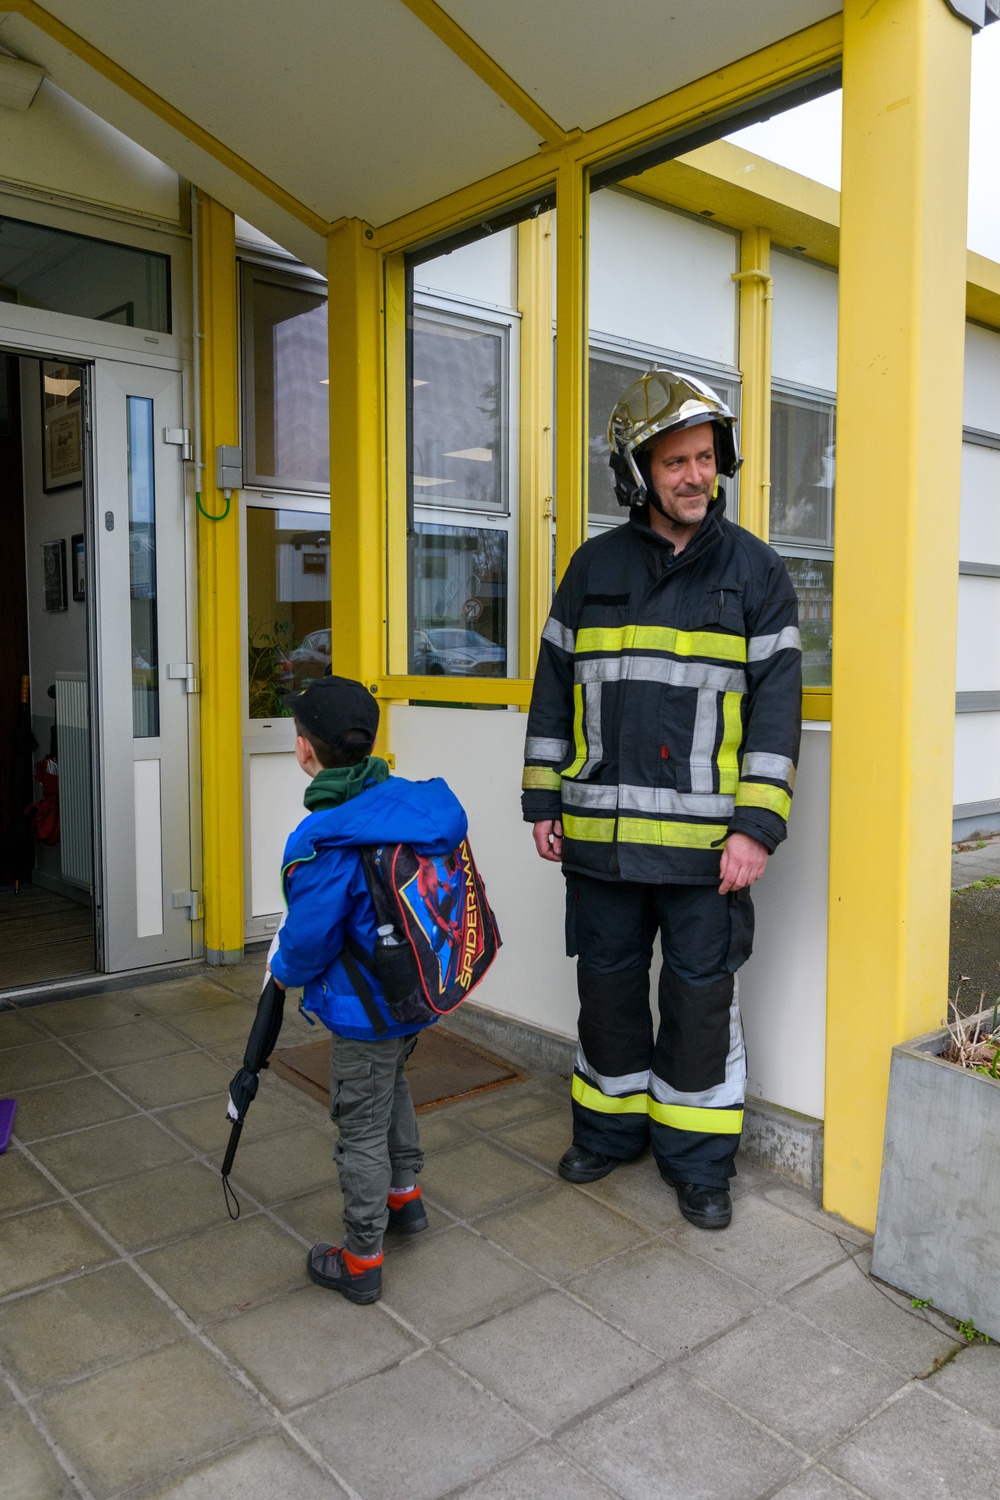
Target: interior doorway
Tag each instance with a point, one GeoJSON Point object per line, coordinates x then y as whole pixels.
{"type": "Point", "coordinates": [47, 898]}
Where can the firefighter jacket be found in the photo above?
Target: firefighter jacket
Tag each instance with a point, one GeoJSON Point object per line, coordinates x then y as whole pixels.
{"type": "Point", "coordinates": [666, 710]}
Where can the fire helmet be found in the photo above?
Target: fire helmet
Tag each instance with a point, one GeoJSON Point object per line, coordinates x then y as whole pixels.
{"type": "Point", "coordinates": [664, 401]}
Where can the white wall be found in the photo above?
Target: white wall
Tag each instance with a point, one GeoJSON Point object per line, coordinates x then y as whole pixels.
{"type": "Point", "coordinates": [275, 786]}
{"type": "Point", "coordinates": [981, 406]}
{"type": "Point", "coordinates": [978, 635]}
{"type": "Point", "coordinates": [979, 539]}
{"type": "Point", "coordinates": [783, 988]}
{"type": "Point", "coordinates": [661, 278]}
{"type": "Point", "coordinates": [486, 270]}
{"type": "Point", "coordinates": [804, 322]}
{"type": "Point", "coordinates": [977, 757]}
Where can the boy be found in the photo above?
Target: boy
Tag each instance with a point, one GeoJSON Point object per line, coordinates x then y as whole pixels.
{"type": "Point", "coordinates": [353, 800]}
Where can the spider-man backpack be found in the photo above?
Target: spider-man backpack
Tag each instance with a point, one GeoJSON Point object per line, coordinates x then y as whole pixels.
{"type": "Point", "coordinates": [443, 935]}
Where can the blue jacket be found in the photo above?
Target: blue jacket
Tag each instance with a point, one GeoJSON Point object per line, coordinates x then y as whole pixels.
{"type": "Point", "coordinates": [327, 896]}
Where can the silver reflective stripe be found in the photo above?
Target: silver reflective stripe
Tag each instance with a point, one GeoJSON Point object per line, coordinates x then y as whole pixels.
{"type": "Point", "coordinates": [559, 635]}
{"type": "Point", "coordinates": [538, 748]}
{"type": "Point", "coordinates": [614, 1087]}
{"type": "Point", "coordinates": [592, 728]}
{"type": "Point", "coordinates": [661, 800]}
{"type": "Point", "coordinates": [776, 767]}
{"type": "Point", "coordinates": [706, 722]}
{"type": "Point", "coordinates": [760, 647]}
{"type": "Point", "coordinates": [585, 794]}
{"type": "Point", "coordinates": [691, 674]}
{"type": "Point", "coordinates": [732, 1088]}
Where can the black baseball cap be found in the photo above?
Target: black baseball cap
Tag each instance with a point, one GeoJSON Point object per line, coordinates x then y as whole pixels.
{"type": "Point", "coordinates": [332, 707]}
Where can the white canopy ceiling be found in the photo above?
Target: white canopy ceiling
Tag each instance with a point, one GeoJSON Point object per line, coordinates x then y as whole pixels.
{"type": "Point", "coordinates": [357, 107]}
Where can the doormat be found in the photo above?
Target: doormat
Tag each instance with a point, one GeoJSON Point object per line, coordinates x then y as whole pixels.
{"type": "Point", "coordinates": [442, 1067]}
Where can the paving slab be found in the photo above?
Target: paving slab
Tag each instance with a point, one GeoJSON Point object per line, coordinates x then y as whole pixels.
{"type": "Point", "coordinates": [220, 1270]}
{"type": "Point", "coordinates": [672, 1438]}
{"type": "Point", "coordinates": [444, 1282]}
{"type": "Point", "coordinates": [794, 1378]}
{"type": "Point", "coordinates": [30, 1470]}
{"type": "Point", "coordinates": [272, 1467]}
{"type": "Point", "coordinates": [442, 1433]}
{"type": "Point", "coordinates": [134, 1423]}
{"type": "Point", "coordinates": [310, 1342]}
{"type": "Point", "coordinates": [669, 1300]}
{"type": "Point", "coordinates": [972, 1380]}
{"type": "Point", "coordinates": [872, 1319]}
{"type": "Point", "coordinates": [159, 1206]}
{"type": "Point", "coordinates": [507, 1106]}
{"type": "Point", "coordinates": [287, 1165]}
{"type": "Point", "coordinates": [544, 1138]}
{"type": "Point", "coordinates": [771, 1249]}
{"type": "Point", "coordinates": [27, 1066]}
{"type": "Point", "coordinates": [550, 1359]}
{"type": "Point", "coordinates": [205, 1126]}
{"type": "Point", "coordinates": [637, 1190]}
{"type": "Point", "coordinates": [171, 1080]}
{"type": "Point", "coordinates": [817, 1484]}
{"type": "Point", "coordinates": [173, 997]}
{"type": "Point", "coordinates": [57, 1108]}
{"type": "Point", "coordinates": [562, 1233]}
{"type": "Point", "coordinates": [21, 1184]}
{"type": "Point", "coordinates": [442, 1128]}
{"type": "Point", "coordinates": [104, 1153]}
{"type": "Point", "coordinates": [543, 1473]}
{"type": "Point", "coordinates": [18, 1029]}
{"type": "Point", "coordinates": [42, 1243]}
{"type": "Point", "coordinates": [114, 1046]}
{"type": "Point", "coordinates": [220, 1028]}
{"type": "Point", "coordinates": [88, 1013]}
{"type": "Point", "coordinates": [477, 1176]}
{"type": "Point", "coordinates": [919, 1448]}
{"type": "Point", "coordinates": [82, 1325]}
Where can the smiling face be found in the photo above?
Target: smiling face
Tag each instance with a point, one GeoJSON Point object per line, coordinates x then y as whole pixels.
{"type": "Point", "coordinates": [682, 471]}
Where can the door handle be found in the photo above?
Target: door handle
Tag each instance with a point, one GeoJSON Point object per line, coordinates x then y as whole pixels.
{"type": "Point", "coordinates": [183, 671]}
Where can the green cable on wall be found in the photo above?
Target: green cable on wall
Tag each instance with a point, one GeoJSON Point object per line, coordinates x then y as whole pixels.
{"type": "Point", "coordinates": [207, 514]}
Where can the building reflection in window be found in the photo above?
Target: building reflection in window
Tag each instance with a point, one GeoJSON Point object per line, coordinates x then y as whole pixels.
{"type": "Point", "coordinates": [459, 613]}
{"type": "Point", "coordinates": [802, 499]}
{"type": "Point", "coordinates": [288, 605]}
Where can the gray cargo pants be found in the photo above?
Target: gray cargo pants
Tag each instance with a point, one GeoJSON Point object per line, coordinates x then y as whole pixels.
{"type": "Point", "coordinates": [378, 1146]}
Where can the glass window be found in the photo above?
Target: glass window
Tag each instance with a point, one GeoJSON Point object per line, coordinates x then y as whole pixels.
{"type": "Point", "coordinates": [611, 374]}
{"type": "Point", "coordinates": [142, 568]}
{"type": "Point", "coordinates": [288, 605]}
{"type": "Point", "coordinates": [459, 428]}
{"type": "Point", "coordinates": [802, 494]}
{"type": "Point", "coordinates": [89, 278]}
{"type": "Point", "coordinates": [459, 612]}
{"type": "Point", "coordinates": [286, 381]}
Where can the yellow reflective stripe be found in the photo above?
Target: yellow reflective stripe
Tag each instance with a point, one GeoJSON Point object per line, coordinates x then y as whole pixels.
{"type": "Point", "coordinates": [578, 735]}
{"type": "Point", "coordinates": [589, 830]}
{"type": "Point", "coordinates": [706, 1121]}
{"type": "Point", "coordinates": [709, 643]}
{"type": "Point", "coordinates": [732, 733]}
{"type": "Point", "coordinates": [540, 779]}
{"type": "Point", "coordinates": [608, 1104]}
{"type": "Point", "coordinates": [673, 835]}
{"type": "Point", "coordinates": [757, 794]}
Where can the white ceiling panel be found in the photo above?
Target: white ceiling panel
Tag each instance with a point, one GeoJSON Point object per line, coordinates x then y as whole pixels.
{"type": "Point", "coordinates": [354, 108]}
{"type": "Point", "coordinates": [586, 61]}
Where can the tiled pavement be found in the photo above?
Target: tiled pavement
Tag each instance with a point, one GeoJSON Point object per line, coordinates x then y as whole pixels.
{"type": "Point", "coordinates": [540, 1342]}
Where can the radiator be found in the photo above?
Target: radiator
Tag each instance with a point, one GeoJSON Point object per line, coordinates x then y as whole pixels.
{"type": "Point", "coordinates": [73, 750]}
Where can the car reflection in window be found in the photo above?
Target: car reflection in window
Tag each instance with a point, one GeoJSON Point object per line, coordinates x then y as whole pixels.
{"type": "Point", "coordinates": [456, 653]}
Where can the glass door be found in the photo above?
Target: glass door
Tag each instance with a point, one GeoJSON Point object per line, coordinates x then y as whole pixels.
{"type": "Point", "coordinates": [148, 912]}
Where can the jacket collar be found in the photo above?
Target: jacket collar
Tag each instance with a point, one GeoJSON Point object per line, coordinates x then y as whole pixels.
{"type": "Point", "coordinates": [707, 535]}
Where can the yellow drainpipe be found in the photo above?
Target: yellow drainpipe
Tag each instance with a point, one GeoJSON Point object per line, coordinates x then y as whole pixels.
{"type": "Point", "coordinates": [572, 225]}
{"type": "Point", "coordinates": [756, 301]}
{"type": "Point", "coordinates": [219, 607]}
{"type": "Point", "coordinates": [899, 447]}
{"type": "Point", "coordinates": [534, 301]}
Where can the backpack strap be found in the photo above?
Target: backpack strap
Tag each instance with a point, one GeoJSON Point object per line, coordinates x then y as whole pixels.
{"type": "Point", "coordinates": [350, 955]}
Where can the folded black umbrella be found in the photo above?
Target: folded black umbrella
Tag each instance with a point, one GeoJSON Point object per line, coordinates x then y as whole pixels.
{"type": "Point", "coordinates": [243, 1089]}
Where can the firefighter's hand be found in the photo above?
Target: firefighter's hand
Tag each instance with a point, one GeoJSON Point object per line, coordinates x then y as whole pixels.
{"type": "Point", "coordinates": [548, 836]}
{"type": "Point", "coordinates": [744, 860]}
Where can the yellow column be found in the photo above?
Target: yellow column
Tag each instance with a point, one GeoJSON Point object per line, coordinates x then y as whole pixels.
{"type": "Point", "coordinates": [534, 300]}
{"type": "Point", "coordinates": [219, 612]}
{"type": "Point", "coordinates": [572, 217]}
{"type": "Point", "coordinates": [357, 506]}
{"type": "Point", "coordinates": [756, 295]}
{"type": "Point", "coordinates": [899, 433]}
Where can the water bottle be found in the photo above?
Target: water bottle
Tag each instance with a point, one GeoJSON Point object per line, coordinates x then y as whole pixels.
{"type": "Point", "coordinates": [396, 967]}
{"type": "Point", "coordinates": [387, 937]}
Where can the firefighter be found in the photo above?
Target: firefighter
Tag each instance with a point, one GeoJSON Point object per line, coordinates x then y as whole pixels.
{"type": "Point", "coordinates": [659, 762]}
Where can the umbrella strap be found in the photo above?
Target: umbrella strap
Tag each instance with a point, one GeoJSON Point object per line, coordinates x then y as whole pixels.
{"type": "Point", "coordinates": [348, 957]}
{"type": "Point", "coordinates": [231, 1199]}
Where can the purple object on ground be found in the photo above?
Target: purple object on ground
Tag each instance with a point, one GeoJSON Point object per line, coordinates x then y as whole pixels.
{"type": "Point", "coordinates": [8, 1109]}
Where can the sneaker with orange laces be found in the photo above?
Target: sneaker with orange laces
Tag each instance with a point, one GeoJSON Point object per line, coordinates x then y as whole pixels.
{"type": "Point", "coordinates": [356, 1277]}
{"type": "Point", "coordinates": [406, 1211]}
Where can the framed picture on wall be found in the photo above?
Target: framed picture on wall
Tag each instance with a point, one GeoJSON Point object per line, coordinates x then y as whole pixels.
{"type": "Point", "coordinates": [78, 554]}
{"type": "Point", "coordinates": [62, 425]}
{"type": "Point", "coordinates": [54, 564]}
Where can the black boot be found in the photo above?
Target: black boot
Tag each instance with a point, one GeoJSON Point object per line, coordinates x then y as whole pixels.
{"type": "Point", "coordinates": [705, 1207]}
{"type": "Point", "coordinates": [580, 1165]}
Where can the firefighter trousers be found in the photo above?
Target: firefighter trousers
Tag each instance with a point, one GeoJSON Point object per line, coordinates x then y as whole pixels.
{"type": "Point", "coordinates": [682, 1088]}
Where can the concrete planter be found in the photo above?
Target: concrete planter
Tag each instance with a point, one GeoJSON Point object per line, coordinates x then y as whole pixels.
{"type": "Point", "coordinates": [938, 1231]}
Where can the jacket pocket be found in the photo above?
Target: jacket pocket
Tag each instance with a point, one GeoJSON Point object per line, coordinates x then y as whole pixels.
{"type": "Point", "coordinates": [352, 1085]}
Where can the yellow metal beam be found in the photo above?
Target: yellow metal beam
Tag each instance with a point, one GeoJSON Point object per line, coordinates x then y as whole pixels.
{"type": "Point", "coordinates": [534, 300]}
{"type": "Point", "coordinates": [164, 110]}
{"type": "Point", "coordinates": [219, 606]}
{"type": "Point", "coordinates": [396, 418]}
{"type": "Point", "coordinates": [783, 64]}
{"type": "Point", "coordinates": [756, 299]}
{"type": "Point", "coordinates": [357, 510]}
{"type": "Point", "coordinates": [482, 64]}
{"type": "Point", "coordinates": [457, 690]}
{"type": "Point", "coordinates": [572, 224]}
{"type": "Point", "coordinates": [899, 434]}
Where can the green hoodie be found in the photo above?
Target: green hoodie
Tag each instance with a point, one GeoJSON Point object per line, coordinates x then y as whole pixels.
{"type": "Point", "coordinates": [337, 784]}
